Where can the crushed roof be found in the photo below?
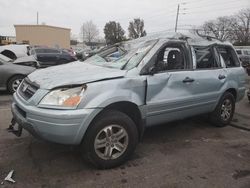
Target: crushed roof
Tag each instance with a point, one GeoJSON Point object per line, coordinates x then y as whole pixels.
{"type": "Point", "coordinates": [191, 38]}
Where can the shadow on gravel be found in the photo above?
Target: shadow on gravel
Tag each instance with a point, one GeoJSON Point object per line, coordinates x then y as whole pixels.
{"type": "Point", "coordinates": [239, 127]}
{"type": "Point", "coordinates": [5, 99]}
{"type": "Point", "coordinates": [4, 93]}
{"type": "Point", "coordinates": [41, 156]}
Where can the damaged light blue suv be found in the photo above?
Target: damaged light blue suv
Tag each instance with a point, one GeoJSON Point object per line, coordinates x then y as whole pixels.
{"type": "Point", "coordinates": [104, 103]}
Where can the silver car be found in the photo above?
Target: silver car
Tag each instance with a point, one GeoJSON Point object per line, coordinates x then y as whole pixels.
{"type": "Point", "coordinates": [12, 73]}
{"type": "Point", "coordinates": [104, 103]}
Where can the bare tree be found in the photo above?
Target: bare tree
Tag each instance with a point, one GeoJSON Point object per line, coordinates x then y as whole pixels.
{"type": "Point", "coordinates": [136, 28]}
{"type": "Point", "coordinates": [220, 28]}
{"type": "Point", "coordinates": [89, 31]}
{"type": "Point", "coordinates": [234, 28]}
{"type": "Point", "coordinates": [241, 27]}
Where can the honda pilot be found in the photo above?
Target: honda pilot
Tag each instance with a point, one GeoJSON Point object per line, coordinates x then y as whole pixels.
{"type": "Point", "coordinates": [104, 103]}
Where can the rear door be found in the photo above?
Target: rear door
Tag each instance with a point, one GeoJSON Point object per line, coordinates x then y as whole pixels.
{"type": "Point", "coordinates": [235, 73]}
{"type": "Point", "coordinates": [209, 73]}
{"type": "Point", "coordinates": [52, 56]}
{"type": "Point", "coordinates": [48, 57]}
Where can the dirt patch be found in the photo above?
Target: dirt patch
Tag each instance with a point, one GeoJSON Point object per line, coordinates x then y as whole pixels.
{"type": "Point", "coordinates": [241, 174]}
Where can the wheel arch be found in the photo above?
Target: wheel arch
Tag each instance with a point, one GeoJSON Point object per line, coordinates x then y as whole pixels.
{"type": "Point", "coordinates": [131, 110]}
{"type": "Point", "coordinates": [127, 107]}
{"type": "Point", "coordinates": [233, 91]}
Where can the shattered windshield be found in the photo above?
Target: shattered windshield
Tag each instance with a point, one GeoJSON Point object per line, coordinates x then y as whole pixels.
{"type": "Point", "coordinates": [124, 56]}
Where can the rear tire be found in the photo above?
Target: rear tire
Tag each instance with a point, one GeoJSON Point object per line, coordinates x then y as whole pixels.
{"type": "Point", "coordinates": [224, 111]}
{"type": "Point", "coordinates": [14, 82]}
{"type": "Point", "coordinates": [110, 140]}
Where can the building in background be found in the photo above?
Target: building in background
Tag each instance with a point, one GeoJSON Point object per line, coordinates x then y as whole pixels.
{"type": "Point", "coordinates": [4, 40]}
{"type": "Point", "coordinates": [43, 35]}
{"type": "Point", "coordinates": [7, 35]}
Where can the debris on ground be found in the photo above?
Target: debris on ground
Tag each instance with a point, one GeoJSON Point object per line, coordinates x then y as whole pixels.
{"type": "Point", "coordinates": [9, 177]}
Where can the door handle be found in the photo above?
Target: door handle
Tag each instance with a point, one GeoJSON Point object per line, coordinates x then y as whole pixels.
{"type": "Point", "coordinates": [221, 77]}
{"type": "Point", "coordinates": [188, 80]}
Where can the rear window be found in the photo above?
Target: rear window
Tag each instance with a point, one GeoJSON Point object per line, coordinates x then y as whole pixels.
{"type": "Point", "coordinates": [229, 56]}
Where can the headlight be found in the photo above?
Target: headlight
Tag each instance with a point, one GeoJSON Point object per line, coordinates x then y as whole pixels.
{"type": "Point", "coordinates": [64, 97]}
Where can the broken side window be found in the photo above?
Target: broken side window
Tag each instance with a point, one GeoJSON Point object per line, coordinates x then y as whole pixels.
{"type": "Point", "coordinates": [228, 56]}
{"type": "Point", "coordinates": [170, 58]}
{"type": "Point", "coordinates": [205, 58]}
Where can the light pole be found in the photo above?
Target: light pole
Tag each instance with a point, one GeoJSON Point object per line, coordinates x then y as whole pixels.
{"type": "Point", "coordinates": [177, 16]}
{"type": "Point", "coordinates": [37, 18]}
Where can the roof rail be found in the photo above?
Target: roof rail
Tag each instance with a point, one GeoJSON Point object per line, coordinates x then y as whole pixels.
{"type": "Point", "coordinates": [208, 37]}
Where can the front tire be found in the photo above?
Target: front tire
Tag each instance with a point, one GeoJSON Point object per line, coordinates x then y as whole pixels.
{"type": "Point", "coordinates": [224, 111]}
{"type": "Point", "coordinates": [110, 140]}
{"type": "Point", "coordinates": [14, 82]}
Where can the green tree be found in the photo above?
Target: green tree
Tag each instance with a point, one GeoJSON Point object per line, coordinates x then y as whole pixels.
{"type": "Point", "coordinates": [136, 28]}
{"type": "Point", "coordinates": [113, 32]}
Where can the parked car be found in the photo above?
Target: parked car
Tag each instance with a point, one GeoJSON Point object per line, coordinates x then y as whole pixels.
{"type": "Point", "coordinates": [70, 51]}
{"type": "Point", "coordinates": [82, 55]}
{"type": "Point", "coordinates": [51, 56]}
{"type": "Point", "coordinates": [244, 56]}
{"type": "Point", "coordinates": [14, 51]}
{"type": "Point", "coordinates": [12, 74]}
{"type": "Point", "coordinates": [28, 61]}
{"type": "Point", "coordinates": [105, 104]}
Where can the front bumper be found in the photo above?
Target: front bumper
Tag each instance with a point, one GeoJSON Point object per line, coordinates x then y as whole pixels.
{"type": "Point", "coordinates": [59, 126]}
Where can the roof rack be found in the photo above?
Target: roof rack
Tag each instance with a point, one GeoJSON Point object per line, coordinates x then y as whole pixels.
{"type": "Point", "coordinates": [208, 37]}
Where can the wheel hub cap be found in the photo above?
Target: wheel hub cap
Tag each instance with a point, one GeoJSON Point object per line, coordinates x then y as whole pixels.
{"type": "Point", "coordinates": [111, 142]}
{"type": "Point", "coordinates": [15, 84]}
{"type": "Point", "coordinates": [226, 110]}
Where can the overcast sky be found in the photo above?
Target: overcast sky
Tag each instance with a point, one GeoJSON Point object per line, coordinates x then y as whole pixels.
{"type": "Point", "coordinates": [159, 15]}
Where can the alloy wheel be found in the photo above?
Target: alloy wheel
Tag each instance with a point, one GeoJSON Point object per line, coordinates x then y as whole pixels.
{"type": "Point", "coordinates": [16, 83]}
{"type": "Point", "coordinates": [111, 142]}
{"type": "Point", "coordinates": [226, 110]}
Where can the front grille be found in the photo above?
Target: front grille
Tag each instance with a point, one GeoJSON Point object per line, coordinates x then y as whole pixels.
{"type": "Point", "coordinates": [27, 89]}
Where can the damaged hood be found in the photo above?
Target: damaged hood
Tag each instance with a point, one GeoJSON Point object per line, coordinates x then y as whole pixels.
{"type": "Point", "coordinates": [73, 74]}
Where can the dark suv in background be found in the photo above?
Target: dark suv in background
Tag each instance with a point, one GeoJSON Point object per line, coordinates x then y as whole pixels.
{"type": "Point", "coordinates": [51, 56]}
